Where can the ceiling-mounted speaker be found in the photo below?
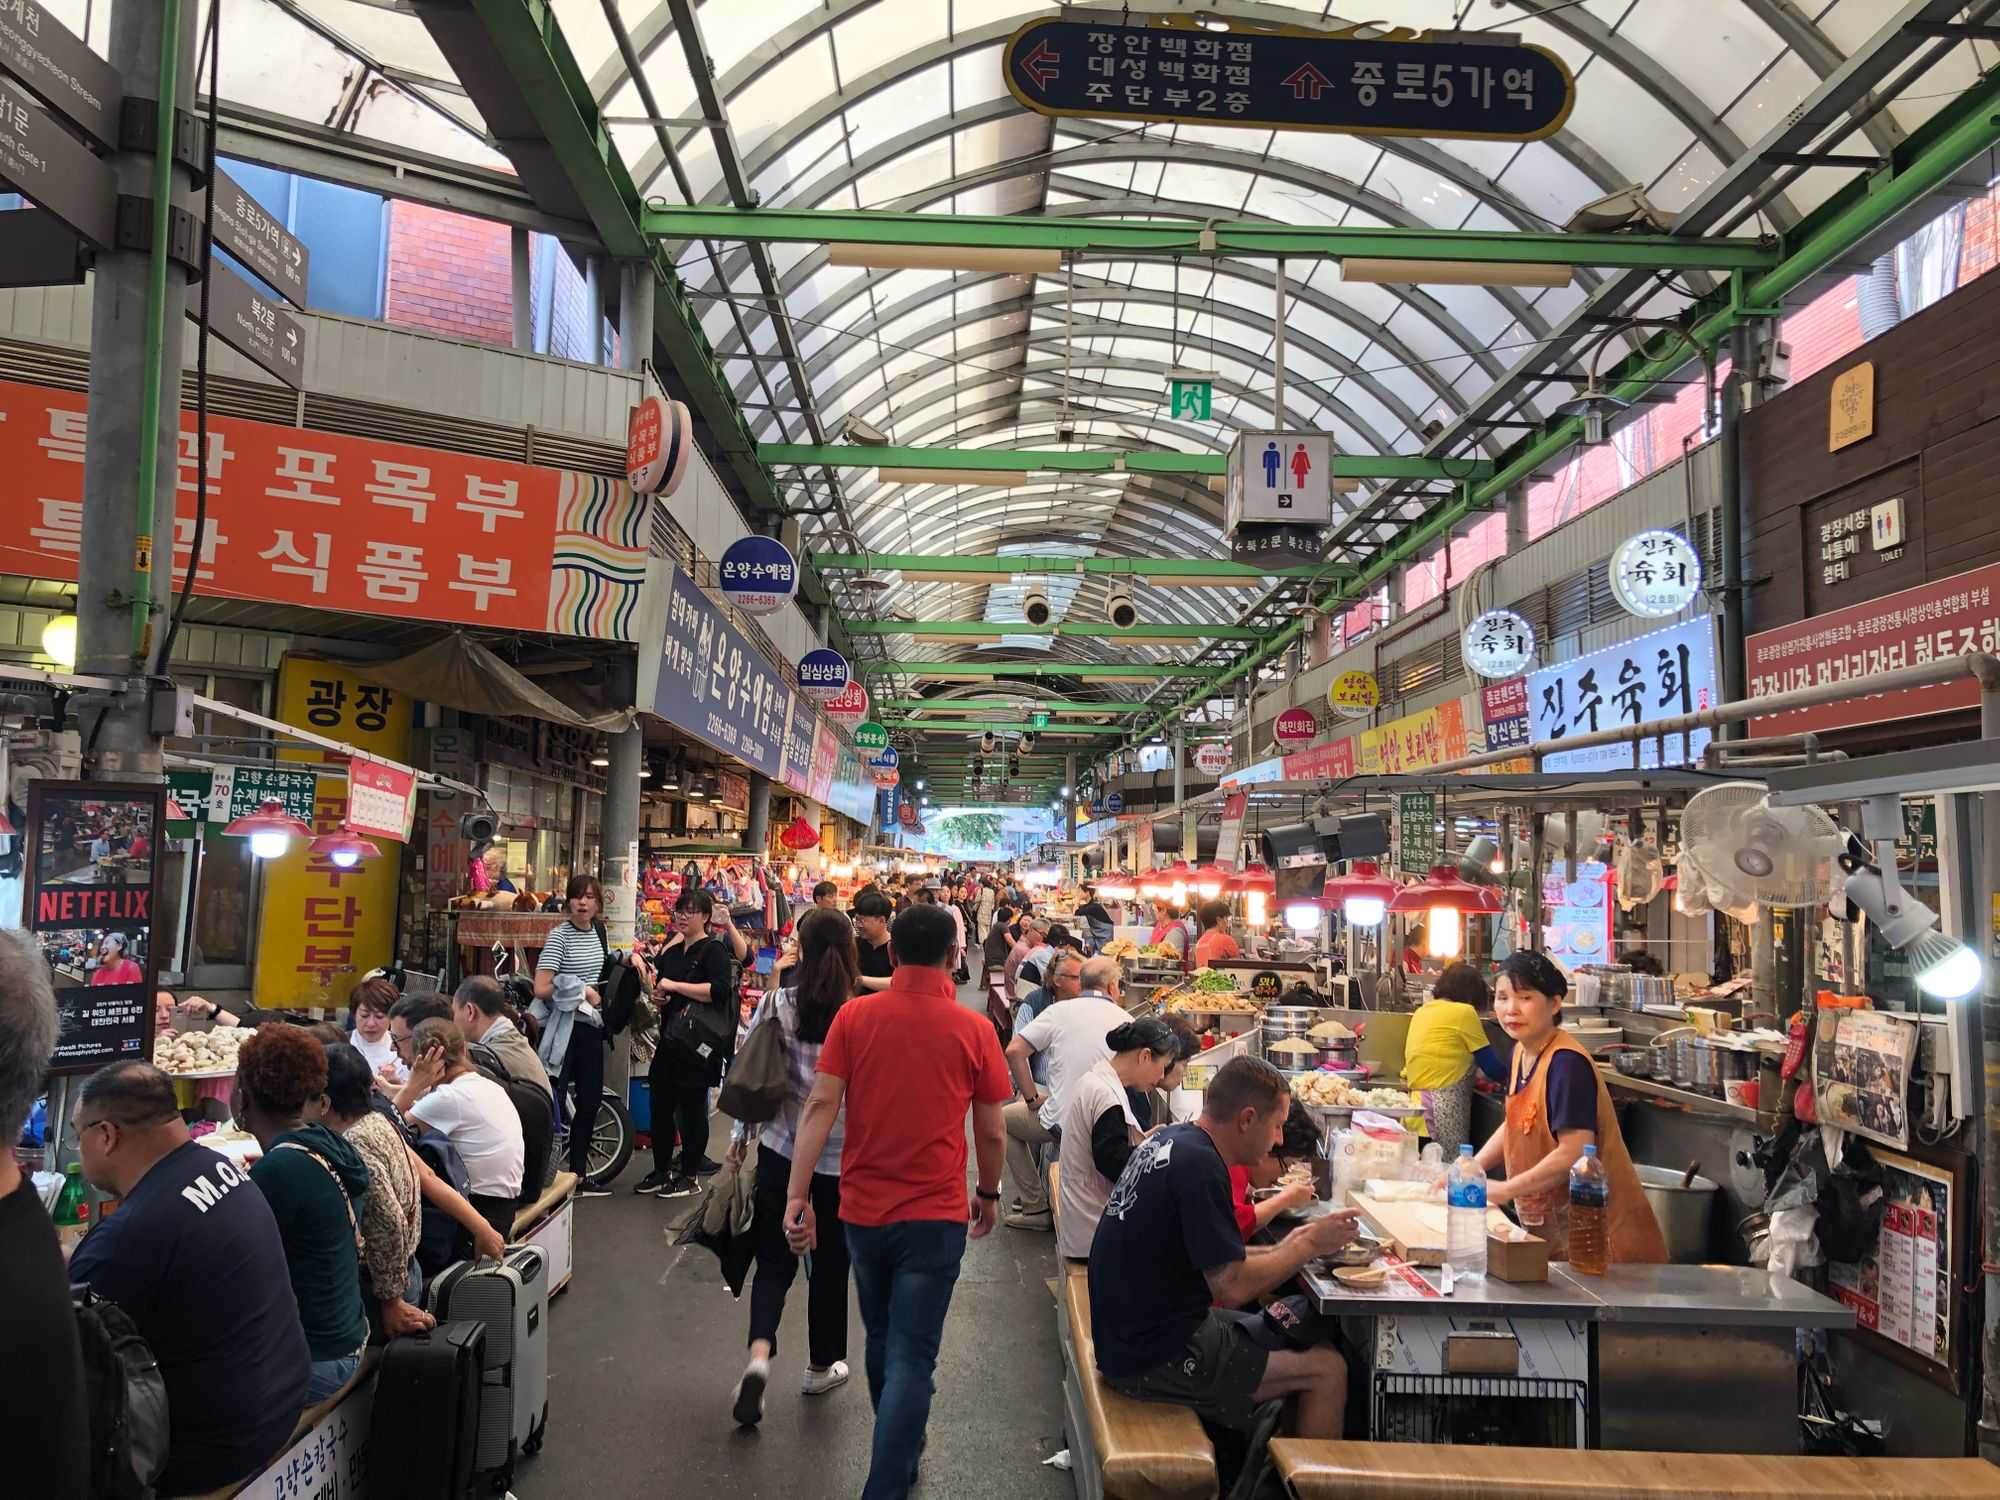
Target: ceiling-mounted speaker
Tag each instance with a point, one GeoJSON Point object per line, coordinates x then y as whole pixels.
{"type": "Point", "coordinates": [1121, 609]}
{"type": "Point", "coordinates": [1035, 607]}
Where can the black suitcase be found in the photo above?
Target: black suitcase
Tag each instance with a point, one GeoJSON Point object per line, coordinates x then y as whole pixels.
{"type": "Point", "coordinates": [425, 1426]}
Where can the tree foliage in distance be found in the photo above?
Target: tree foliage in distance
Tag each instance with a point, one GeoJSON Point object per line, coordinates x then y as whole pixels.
{"type": "Point", "coordinates": [975, 830]}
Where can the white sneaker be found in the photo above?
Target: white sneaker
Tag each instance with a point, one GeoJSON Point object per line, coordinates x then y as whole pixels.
{"type": "Point", "coordinates": [819, 1382]}
{"type": "Point", "coordinates": [749, 1407]}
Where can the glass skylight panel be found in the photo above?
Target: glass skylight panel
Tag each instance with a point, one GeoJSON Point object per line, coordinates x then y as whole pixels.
{"type": "Point", "coordinates": [773, 101]}
{"type": "Point", "coordinates": [889, 112]}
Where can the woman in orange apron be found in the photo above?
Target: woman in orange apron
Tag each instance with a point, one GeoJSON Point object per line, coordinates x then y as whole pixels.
{"type": "Point", "coordinates": [1557, 1105]}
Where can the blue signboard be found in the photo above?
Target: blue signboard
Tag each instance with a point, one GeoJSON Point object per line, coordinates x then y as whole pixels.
{"type": "Point", "coordinates": [795, 751]}
{"type": "Point", "coordinates": [1173, 68]}
{"type": "Point", "coordinates": [1661, 675]}
{"type": "Point", "coordinates": [823, 674]}
{"type": "Point", "coordinates": [885, 759]}
{"type": "Point", "coordinates": [759, 574]}
{"type": "Point", "coordinates": [1115, 803]}
{"type": "Point", "coordinates": [715, 685]}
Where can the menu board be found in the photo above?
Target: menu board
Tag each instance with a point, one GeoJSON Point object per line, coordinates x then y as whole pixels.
{"type": "Point", "coordinates": [1577, 915]}
{"type": "Point", "coordinates": [1902, 1289]}
{"type": "Point", "coordinates": [92, 891]}
{"type": "Point", "coordinates": [1416, 822]}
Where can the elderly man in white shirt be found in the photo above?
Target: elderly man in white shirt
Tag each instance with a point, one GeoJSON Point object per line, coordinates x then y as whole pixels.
{"type": "Point", "coordinates": [1071, 1032]}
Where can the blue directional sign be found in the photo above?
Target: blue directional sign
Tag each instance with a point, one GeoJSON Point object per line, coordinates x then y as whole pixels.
{"type": "Point", "coordinates": [1174, 68]}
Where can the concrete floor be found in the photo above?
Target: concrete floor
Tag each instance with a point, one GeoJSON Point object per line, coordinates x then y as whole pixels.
{"type": "Point", "coordinates": [646, 1343]}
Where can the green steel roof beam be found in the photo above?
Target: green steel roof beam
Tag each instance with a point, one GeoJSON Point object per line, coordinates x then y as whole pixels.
{"type": "Point", "coordinates": [999, 726]}
{"type": "Point", "coordinates": [1060, 707]}
{"type": "Point", "coordinates": [977, 567]}
{"type": "Point", "coordinates": [1966, 126]}
{"type": "Point", "coordinates": [1114, 671]}
{"type": "Point", "coordinates": [1072, 628]}
{"type": "Point", "coordinates": [1112, 236]}
{"type": "Point", "coordinates": [1027, 461]}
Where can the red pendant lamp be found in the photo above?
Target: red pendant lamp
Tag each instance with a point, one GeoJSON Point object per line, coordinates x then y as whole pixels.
{"type": "Point", "coordinates": [1363, 894]}
{"type": "Point", "coordinates": [270, 829]}
{"type": "Point", "coordinates": [1444, 899]}
{"type": "Point", "coordinates": [1211, 880]}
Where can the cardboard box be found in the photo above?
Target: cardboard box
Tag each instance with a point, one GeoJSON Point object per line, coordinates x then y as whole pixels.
{"type": "Point", "coordinates": [1517, 1260]}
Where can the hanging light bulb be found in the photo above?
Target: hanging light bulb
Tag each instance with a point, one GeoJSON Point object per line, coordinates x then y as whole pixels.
{"type": "Point", "coordinates": [1444, 899]}
{"type": "Point", "coordinates": [1363, 894]}
{"type": "Point", "coordinates": [270, 829]}
{"type": "Point", "coordinates": [59, 641]}
{"type": "Point", "coordinates": [1303, 917]}
{"type": "Point", "coordinates": [1444, 932]}
{"type": "Point", "coordinates": [342, 849]}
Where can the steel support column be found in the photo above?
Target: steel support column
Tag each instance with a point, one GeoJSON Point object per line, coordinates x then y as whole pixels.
{"type": "Point", "coordinates": [619, 854]}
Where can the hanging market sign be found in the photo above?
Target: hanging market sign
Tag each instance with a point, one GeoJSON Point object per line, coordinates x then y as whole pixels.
{"type": "Point", "coordinates": [1212, 759]}
{"type": "Point", "coordinates": [1354, 695]}
{"type": "Point", "coordinates": [1114, 803]}
{"type": "Point", "coordinates": [823, 674]}
{"type": "Point", "coordinates": [1417, 825]}
{"type": "Point", "coordinates": [716, 685]}
{"type": "Point", "coordinates": [1505, 706]}
{"type": "Point", "coordinates": [265, 246]}
{"type": "Point", "coordinates": [1662, 675]}
{"type": "Point", "coordinates": [1910, 628]}
{"type": "Point", "coordinates": [1499, 644]}
{"type": "Point", "coordinates": [1176, 69]}
{"type": "Point", "coordinates": [1294, 726]}
{"type": "Point", "coordinates": [870, 737]}
{"type": "Point", "coordinates": [1426, 738]}
{"type": "Point", "coordinates": [380, 798]}
{"type": "Point", "coordinates": [221, 793]}
{"type": "Point", "coordinates": [758, 574]}
{"type": "Point", "coordinates": [255, 326]}
{"type": "Point", "coordinates": [659, 437]}
{"type": "Point", "coordinates": [1655, 574]}
{"type": "Point", "coordinates": [1333, 761]}
{"type": "Point", "coordinates": [849, 707]}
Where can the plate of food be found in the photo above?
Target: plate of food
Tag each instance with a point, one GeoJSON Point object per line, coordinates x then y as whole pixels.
{"type": "Point", "coordinates": [1361, 1278]}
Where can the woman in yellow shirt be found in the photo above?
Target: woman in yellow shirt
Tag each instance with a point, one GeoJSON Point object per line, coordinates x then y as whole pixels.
{"type": "Point", "coordinates": [1446, 1039]}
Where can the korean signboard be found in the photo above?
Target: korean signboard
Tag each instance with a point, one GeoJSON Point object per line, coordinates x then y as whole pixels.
{"type": "Point", "coordinates": [1661, 675]}
{"type": "Point", "coordinates": [824, 676]}
{"type": "Point", "coordinates": [1499, 644]}
{"type": "Point", "coordinates": [246, 231]}
{"type": "Point", "coordinates": [659, 438]}
{"type": "Point", "coordinates": [1280, 479]}
{"type": "Point", "coordinates": [716, 685]}
{"type": "Point", "coordinates": [1294, 726]}
{"type": "Point", "coordinates": [1173, 68]}
{"type": "Point", "coordinates": [849, 707]}
{"type": "Point", "coordinates": [254, 326]}
{"type": "Point", "coordinates": [758, 574]}
{"type": "Point", "coordinates": [1416, 822]}
{"type": "Point", "coordinates": [352, 524]}
{"type": "Point", "coordinates": [1211, 759]}
{"type": "Point", "coordinates": [220, 793]}
{"type": "Point", "coordinates": [1947, 618]}
{"type": "Point", "coordinates": [92, 888]}
{"type": "Point", "coordinates": [1655, 574]}
{"type": "Point", "coordinates": [1333, 761]}
{"type": "Point", "coordinates": [1873, 531]}
{"type": "Point", "coordinates": [1850, 407]}
{"type": "Point", "coordinates": [1354, 695]}
{"type": "Point", "coordinates": [324, 926]}
{"type": "Point", "coordinates": [795, 750]}
{"type": "Point", "coordinates": [45, 164]}
{"type": "Point", "coordinates": [1505, 706]}
{"type": "Point", "coordinates": [1415, 741]}
{"type": "Point", "coordinates": [58, 67]}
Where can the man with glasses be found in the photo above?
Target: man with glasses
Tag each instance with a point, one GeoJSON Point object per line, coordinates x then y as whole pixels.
{"type": "Point", "coordinates": [1031, 1118]}
{"type": "Point", "coordinates": [235, 1365]}
{"type": "Point", "coordinates": [405, 1016]}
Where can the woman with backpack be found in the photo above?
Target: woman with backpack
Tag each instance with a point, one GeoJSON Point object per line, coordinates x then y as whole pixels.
{"type": "Point", "coordinates": [579, 947]}
{"type": "Point", "coordinates": [827, 976]}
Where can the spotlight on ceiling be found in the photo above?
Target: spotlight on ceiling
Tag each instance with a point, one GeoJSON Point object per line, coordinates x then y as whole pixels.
{"type": "Point", "coordinates": [1595, 405]}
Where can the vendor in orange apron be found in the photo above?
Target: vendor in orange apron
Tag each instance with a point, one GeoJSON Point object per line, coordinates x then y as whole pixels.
{"type": "Point", "coordinates": [1557, 1105]}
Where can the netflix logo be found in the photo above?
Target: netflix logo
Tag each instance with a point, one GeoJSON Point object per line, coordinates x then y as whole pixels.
{"type": "Point", "coordinates": [92, 905]}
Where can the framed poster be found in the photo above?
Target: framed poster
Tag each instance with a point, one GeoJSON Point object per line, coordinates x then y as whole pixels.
{"type": "Point", "coordinates": [1861, 1064]}
{"type": "Point", "coordinates": [1904, 1291]}
{"type": "Point", "coordinates": [93, 886]}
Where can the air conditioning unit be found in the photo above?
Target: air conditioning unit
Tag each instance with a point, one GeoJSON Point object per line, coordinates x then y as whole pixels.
{"type": "Point", "coordinates": [1121, 609]}
{"type": "Point", "coordinates": [1035, 607]}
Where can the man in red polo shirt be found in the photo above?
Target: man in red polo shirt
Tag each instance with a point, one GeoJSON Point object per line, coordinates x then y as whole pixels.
{"type": "Point", "coordinates": [907, 1062]}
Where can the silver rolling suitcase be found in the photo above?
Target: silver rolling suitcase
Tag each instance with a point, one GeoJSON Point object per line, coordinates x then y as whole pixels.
{"type": "Point", "coordinates": [511, 1297]}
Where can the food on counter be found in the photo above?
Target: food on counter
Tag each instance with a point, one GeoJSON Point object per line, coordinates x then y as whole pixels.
{"type": "Point", "coordinates": [1159, 950]}
{"type": "Point", "coordinates": [1361, 1278]}
{"type": "Point", "coordinates": [1331, 1031]}
{"type": "Point", "coordinates": [1292, 1046]}
{"type": "Point", "coordinates": [1214, 982]}
{"type": "Point", "coordinates": [212, 1051]}
{"type": "Point", "coordinates": [1329, 1091]}
{"type": "Point", "coordinates": [1120, 948]}
{"type": "Point", "coordinates": [1197, 1003]}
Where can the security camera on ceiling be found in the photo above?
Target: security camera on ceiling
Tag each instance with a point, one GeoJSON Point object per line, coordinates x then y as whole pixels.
{"type": "Point", "coordinates": [1036, 609]}
{"type": "Point", "coordinates": [1121, 609]}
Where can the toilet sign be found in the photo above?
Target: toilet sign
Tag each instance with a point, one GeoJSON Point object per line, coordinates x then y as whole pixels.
{"type": "Point", "coordinates": [1280, 479]}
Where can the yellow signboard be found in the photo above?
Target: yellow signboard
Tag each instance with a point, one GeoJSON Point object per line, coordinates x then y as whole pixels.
{"type": "Point", "coordinates": [1354, 695]}
{"type": "Point", "coordinates": [1414, 742]}
{"type": "Point", "coordinates": [1850, 413]}
{"type": "Point", "coordinates": [323, 927]}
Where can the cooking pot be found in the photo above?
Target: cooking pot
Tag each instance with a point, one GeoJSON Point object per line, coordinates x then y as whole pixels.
{"type": "Point", "coordinates": [1682, 1212]}
{"type": "Point", "coordinates": [1632, 1061]}
{"type": "Point", "coordinates": [1660, 1053]}
{"type": "Point", "coordinates": [1706, 1060]}
{"type": "Point", "coordinates": [1339, 1053]}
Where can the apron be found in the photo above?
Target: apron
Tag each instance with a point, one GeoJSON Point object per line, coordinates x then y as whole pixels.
{"type": "Point", "coordinates": [1633, 1234]}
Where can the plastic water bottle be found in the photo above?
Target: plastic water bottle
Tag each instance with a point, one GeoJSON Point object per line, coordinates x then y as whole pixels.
{"type": "Point", "coordinates": [1589, 1197]}
{"type": "Point", "coordinates": [1465, 1218]}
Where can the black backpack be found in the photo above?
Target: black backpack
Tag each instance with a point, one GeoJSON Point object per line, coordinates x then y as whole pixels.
{"type": "Point", "coordinates": [538, 1121]}
{"type": "Point", "coordinates": [127, 1399]}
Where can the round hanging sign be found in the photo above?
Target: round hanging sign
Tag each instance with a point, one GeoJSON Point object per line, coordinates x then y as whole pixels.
{"type": "Point", "coordinates": [1115, 803]}
{"type": "Point", "coordinates": [885, 759]}
{"type": "Point", "coordinates": [1354, 695]}
{"type": "Point", "coordinates": [870, 736]}
{"type": "Point", "coordinates": [888, 778]}
{"type": "Point", "coordinates": [848, 707]}
{"type": "Point", "coordinates": [1655, 574]}
{"type": "Point", "coordinates": [1295, 726]}
{"type": "Point", "coordinates": [1212, 759]}
{"type": "Point", "coordinates": [758, 574]}
{"type": "Point", "coordinates": [822, 674]}
{"type": "Point", "coordinates": [1499, 644]}
{"type": "Point", "coordinates": [659, 437]}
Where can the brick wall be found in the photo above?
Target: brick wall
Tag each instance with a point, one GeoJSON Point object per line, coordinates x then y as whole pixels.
{"type": "Point", "coordinates": [449, 273]}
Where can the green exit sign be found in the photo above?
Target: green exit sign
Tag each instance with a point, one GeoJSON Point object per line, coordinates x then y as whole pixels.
{"type": "Point", "coordinates": [1193, 398]}
{"type": "Point", "coordinates": [1039, 719]}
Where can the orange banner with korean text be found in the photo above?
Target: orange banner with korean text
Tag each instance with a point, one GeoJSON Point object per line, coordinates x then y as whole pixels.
{"type": "Point", "coordinates": [347, 523]}
{"type": "Point", "coordinates": [1415, 741]}
{"type": "Point", "coordinates": [323, 927]}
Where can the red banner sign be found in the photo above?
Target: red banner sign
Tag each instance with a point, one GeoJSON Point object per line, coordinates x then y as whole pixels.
{"type": "Point", "coordinates": [380, 799]}
{"type": "Point", "coordinates": [1333, 761]}
{"type": "Point", "coordinates": [1934, 620]}
{"type": "Point", "coordinates": [350, 524]}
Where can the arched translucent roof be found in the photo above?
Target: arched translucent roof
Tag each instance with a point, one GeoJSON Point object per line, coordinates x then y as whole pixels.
{"type": "Point", "coordinates": [900, 104]}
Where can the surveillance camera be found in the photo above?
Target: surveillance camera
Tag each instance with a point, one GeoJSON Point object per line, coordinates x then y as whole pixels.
{"type": "Point", "coordinates": [1028, 740]}
{"type": "Point", "coordinates": [1121, 609]}
{"type": "Point", "coordinates": [1036, 609]}
{"type": "Point", "coordinates": [987, 741]}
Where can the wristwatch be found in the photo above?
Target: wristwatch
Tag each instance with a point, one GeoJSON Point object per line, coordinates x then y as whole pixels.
{"type": "Point", "coordinates": [992, 1197]}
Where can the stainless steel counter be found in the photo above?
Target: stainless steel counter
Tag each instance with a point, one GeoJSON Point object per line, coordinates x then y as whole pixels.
{"type": "Point", "coordinates": [1706, 1296]}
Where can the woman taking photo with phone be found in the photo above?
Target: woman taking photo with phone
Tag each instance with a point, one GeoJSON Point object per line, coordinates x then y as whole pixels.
{"type": "Point", "coordinates": [825, 978]}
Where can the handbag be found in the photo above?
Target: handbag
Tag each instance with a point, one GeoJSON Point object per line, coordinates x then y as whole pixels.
{"type": "Point", "coordinates": [703, 1030]}
{"type": "Point", "coordinates": [760, 1078]}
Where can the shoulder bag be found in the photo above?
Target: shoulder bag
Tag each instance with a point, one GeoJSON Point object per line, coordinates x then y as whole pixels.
{"type": "Point", "coordinates": [760, 1077]}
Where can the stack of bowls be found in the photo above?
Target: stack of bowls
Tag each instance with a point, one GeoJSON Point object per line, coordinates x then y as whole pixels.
{"type": "Point", "coordinates": [1284, 1023]}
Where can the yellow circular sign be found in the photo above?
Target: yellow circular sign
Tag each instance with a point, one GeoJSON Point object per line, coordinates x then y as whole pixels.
{"type": "Point", "coordinates": [1354, 695]}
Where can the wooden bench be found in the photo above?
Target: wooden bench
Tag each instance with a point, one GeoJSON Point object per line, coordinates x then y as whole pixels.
{"type": "Point", "coordinates": [1121, 1448]}
{"type": "Point", "coordinates": [546, 1224]}
{"type": "Point", "coordinates": [1319, 1470]}
{"type": "Point", "coordinates": [358, 1388]}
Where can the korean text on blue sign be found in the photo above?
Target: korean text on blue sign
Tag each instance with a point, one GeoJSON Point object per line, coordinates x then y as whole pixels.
{"type": "Point", "coordinates": [716, 686]}
{"type": "Point", "coordinates": [1657, 676]}
{"type": "Point", "coordinates": [1173, 68]}
{"type": "Point", "coordinates": [759, 574]}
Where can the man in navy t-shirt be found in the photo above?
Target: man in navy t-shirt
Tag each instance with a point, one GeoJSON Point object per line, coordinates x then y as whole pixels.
{"type": "Point", "coordinates": [1168, 1251]}
{"type": "Point", "coordinates": [193, 1257]}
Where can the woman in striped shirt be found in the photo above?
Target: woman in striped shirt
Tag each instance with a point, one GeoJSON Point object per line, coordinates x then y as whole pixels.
{"type": "Point", "coordinates": [579, 947]}
{"type": "Point", "coordinates": [827, 976]}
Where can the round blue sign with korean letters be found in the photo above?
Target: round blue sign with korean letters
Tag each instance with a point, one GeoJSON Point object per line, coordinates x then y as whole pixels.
{"type": "Point", "coordinates": [758, 575]}
{"type": "Point", "coordinates": [823, 674]}
{"type": "Point", "coordinates": [885, 759]}
{"type": "Point", "coordinates": [1115, 803]}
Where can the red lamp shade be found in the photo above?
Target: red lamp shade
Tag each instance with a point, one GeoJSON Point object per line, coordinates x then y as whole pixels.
{"type": "Point", "coordinates": [270, 829]}
{"type": "Point", "coordinates": [1442, 889]}
{"type": "Point", "coordinates": [1255, 877]}
{"type": "Point", "coordinates": [343, 848]}
{"type": "Point", "coordinates": [1364, 881]}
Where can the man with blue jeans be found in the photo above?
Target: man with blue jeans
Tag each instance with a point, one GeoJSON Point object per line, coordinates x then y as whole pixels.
{"type": "Point", "coordinates": [906, 1064]}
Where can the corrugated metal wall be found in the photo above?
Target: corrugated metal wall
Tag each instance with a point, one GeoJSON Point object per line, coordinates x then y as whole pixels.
{"type": "Point", "coordinates": [1557, 582]}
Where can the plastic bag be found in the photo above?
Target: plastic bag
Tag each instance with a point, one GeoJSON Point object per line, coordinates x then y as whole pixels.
{"type": "Point", "coordinates": [1373, 1146]}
